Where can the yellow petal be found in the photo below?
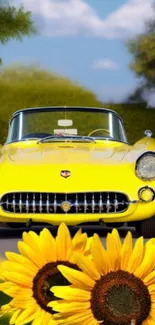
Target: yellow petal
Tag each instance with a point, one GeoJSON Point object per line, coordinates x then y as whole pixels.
{"type": "Point", "coordinates": [19, 268]}
{"type": "Point", "coordinates": [40, 315]}
{"type": "Point", "coordinates": [113, 253]}
{"type": "Point", "coordinates": [136, 255]}
{"type": "Point", "coordinates": [100, 256]}
{"type": "Point", "coordinates": [17, 258]}
{"type": "Point", "coordinates": [31, 239]}
{"type": "Point", "coordinates": [117, 239]}
{"type": "Point", "coordinates": [69, 293]}
{"type": "Point", "coordinates": [87, 250]}
{"type": "Point", "coordinates": [26, 316]}
{"type": "Point", "coordinates": [150, 278]}
{"type": "Point", "coordinates": [87, 266]}
{"type": "Point", "coordinates": [14, 316]}
{"type": "Point", "coordinates": [63, 243]}
{"type": "Point", "coordinates": [21, 279]}
{"type": "Point", "coordinates": [48, 245]}
{"type": "Point", "coordinates": [78, 318]}
{"type": "Point", "coordinates": [77, 278]}
{"type": "Point", "coordinates": [69, 307]}
{"type": "Point", "coordinates": [147, 264]}
{"type": "Point", "coordinates": [28, 252]}
{"type": "Point", "coordinates": [126, 251]}
{"type": "Point", "coordinates": [79, 241]}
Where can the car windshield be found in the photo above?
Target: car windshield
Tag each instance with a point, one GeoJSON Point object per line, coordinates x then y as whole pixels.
{"type": "Point", "coordinates": [66, 122]}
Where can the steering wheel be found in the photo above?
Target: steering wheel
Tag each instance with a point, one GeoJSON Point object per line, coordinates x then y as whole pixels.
{"type": "Point", "coordinates": [97, 130]}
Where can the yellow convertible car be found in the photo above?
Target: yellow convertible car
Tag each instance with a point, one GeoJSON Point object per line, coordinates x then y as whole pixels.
{"type": "Point", "coordinates": [74, 164]}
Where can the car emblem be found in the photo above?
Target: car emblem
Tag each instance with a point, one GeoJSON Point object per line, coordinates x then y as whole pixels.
{"type": "Point", "coordinates": [66, 206]}
{"type": "Point", "coordinates": [65, 173]}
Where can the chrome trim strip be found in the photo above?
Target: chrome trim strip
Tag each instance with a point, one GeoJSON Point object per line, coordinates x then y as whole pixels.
{"type": "Point", "coordinates": [116, 203]}
{"type": "Point", "coordinates": [108, 203]}
{"type": "Point", "coordinates": [47, 203]}
{"type": "Point", "coordinates": [40, 203]}
{"type": "Point", "coordinates": [55, 203]}
{"type": "Point", "coordinates": [85, 202]}
{"type": "Point", "coordinates": [34, 203]}
{"type": "Point", "coordinates": [27, 203]}
{"type": "Point", "coordinates": [93, 203]}
{"type": "Point", "coordinates": [14, 203]}
{"type": "Point", "coordinates": [100, 203]}
{"type": "Point", "coordinates": [20, 203]}
{"type": "Point", "coordinates": [76, 203]}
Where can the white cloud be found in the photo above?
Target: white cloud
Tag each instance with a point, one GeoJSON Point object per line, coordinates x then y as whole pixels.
{"type": "Point", "coordinates": [105, 64]}
{"type": "Point", "coordinates": [149, 96]}
{"type": "Point", "coordinates": [72, 17]}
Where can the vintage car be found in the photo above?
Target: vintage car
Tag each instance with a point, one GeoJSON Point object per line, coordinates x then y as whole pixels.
{"type": "Point", "coordinates": [74, 164]}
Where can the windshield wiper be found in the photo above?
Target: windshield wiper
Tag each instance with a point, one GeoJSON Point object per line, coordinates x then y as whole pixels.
{"type": "Point", "coordinates": [60, 138]}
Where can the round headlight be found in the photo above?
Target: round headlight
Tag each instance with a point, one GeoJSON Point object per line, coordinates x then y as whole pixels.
{"type": "Point", "coordinates": [145, 167]}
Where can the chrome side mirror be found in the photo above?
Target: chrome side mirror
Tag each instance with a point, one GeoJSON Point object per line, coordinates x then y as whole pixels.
{"type": "Point", "coordinates": [148, 133]}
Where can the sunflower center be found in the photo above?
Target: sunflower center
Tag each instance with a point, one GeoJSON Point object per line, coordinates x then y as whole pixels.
{"type": "Point", "coordinates": [119, 297]}
{"type": "Point", "coordinates": [46, 278]}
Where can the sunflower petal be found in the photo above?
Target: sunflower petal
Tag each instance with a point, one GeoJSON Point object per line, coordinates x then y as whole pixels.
{"type": "Point", "coordinates": [69, 307]}
{"type": "Point", "coordinates": [87, 266]}
{"type": "Point", "coordinates": [126, 251]}
{"type": "Point", "coordinates": [48, 245]}
{"type": "Point", "coordinates": [72, 294]}
{"type": "Point", "coordinates": [117, 239]}
{"type": "Point", "coordinates": [28, 252]}
{"type": "Point", "coordinates": [26, 316]}
{"type": "Point", "coordinates": [136, 255]}
{"type": "Point", "coordinates": [17, 258]}
{"type": "Point", "coordinates": [79, 241]}
{"type": "Point", "coordinates": [100, 256]}
{"type": "Point", "coordinates": [63, 243]}
{"type": "Point", "coordinates": [77, 278]}
{"type": "Point", "coordinates": [149, 279]}
{"type": "Point", "coordinates": [147, 264]}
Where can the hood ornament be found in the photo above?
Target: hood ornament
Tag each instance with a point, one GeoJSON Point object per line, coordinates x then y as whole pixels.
{"type": "Point", "coordinates": [66, 206]}
{"type": "Point", "coordinates": [65, 173]}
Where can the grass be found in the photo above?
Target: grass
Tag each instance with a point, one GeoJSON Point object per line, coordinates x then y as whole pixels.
{"type": "Point", "coordinates": [30, 86]}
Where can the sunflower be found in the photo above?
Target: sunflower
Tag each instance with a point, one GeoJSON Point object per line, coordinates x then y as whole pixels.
{"type": "Point", "coordinates": [28, 276]}
{"type": "Point", "coordinates": [116, 287]}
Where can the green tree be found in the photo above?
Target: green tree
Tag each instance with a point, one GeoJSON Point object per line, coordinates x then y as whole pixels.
{"type": "Point", "coordinates": [143, 64]}
{"type": "Point", "coordinates": [15, 23]}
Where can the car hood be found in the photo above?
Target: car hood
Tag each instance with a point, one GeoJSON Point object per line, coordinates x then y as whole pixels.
{"type": "Point", "coordinates": [92, 167]}
{"type": "Point", "coordinates": [51, 154]}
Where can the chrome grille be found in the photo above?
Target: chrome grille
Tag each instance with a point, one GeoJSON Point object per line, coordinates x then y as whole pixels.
{"type": "Point", "coordinates": [90, 202]}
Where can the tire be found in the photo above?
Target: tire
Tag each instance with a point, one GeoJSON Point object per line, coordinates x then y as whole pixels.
{"type": "Point", "coordinates": [15, 225]}
{"type": "Point", "coordinates": [146, 228]}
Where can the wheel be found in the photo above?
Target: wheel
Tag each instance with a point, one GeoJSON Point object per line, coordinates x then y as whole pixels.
{"type": "Point", "coordinates": [146, 228]}
{"type": "Point", "coordinates": [16, 225]}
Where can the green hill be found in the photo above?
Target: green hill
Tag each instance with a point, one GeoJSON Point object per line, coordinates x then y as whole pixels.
{"type": "Point", "coordinates": [30, 86]}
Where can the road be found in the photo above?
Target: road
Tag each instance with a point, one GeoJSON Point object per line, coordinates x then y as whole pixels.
{"type": "Point", "coordinates": [9, 237]}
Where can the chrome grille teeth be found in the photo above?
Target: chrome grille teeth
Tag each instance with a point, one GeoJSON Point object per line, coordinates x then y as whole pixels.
{"type": "Point", "coordinates": [115, 203]}
{"type": "Point", "coordinates": [40, 203]}
{"type": "Point", "coordinates": [108, 205]}
{"type": "Point", "coordinates": [86, 203]}
{"type": "Point", "coordinates": [76, 203]}
{"type": "Point", "coordinates": [27, 203]}
{"type": "Point", "coordinates": [14, 203]}
{"type": "Point", "coordinates": [47, 204]}
{"type": "Point", "coordinates": [100, 203]}
{"type": "Point", "coordinates": [55, 203]}
{"type": "Point", "coordinates": [34, 203]}
{"type": "Point", "coordinates": [93, 203]}
{"type": "Point", "coordinates": [20, 203]}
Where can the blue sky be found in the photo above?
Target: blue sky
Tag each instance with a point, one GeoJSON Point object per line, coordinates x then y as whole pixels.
{"type": "Point", "coordinates": [85, 41]}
